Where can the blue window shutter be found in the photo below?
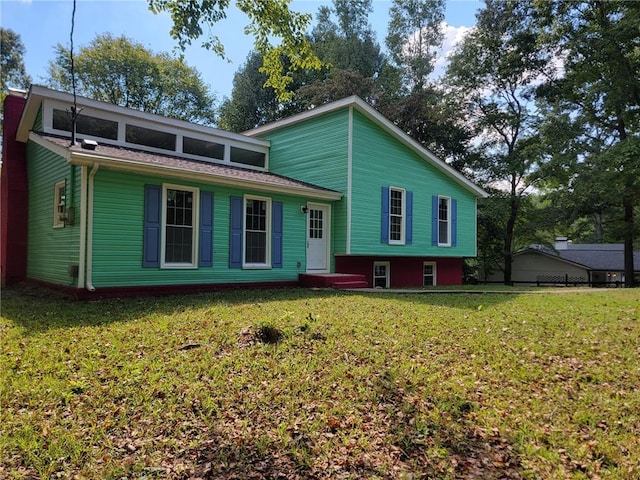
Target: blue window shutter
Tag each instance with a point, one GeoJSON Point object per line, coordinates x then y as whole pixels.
{"type": "Point", "coordinates": [205, 258]}
{"type": "Point", "coordinates": [235, 233]}
{"type": "Point", "coordinates": [434, 220]}
{"type": "Point", "coordinates": [454, 222]}
{"type": "Point", "coordinates": [409, 222]}
{"type": "Point", "coordinates": [276, 234]}
{"type": "Point", "coordinates": [152, 226]}
{"type": "Point", "coordinates": [384, 221]}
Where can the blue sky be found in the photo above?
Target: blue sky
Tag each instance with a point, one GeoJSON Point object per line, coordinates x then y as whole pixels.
{"type": "Point", "coordinates": [42, 24]}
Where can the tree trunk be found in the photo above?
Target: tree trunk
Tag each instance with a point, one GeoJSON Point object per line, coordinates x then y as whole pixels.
{"type": "Point", "coordinates": [597, 222]}
{"type": "Point", "coordinates": [508, 239]}
{"type": "Point", "coordinates": [629, 278]}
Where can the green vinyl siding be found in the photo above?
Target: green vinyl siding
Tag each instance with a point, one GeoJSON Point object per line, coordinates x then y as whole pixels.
{"type": "Point", "coordinates": [38, 126]}
{"type": "Point", "coordinates": [118, 230]}
{"type": "Point", "coordinates": [316, 151]}
{"type": "Point", "coordinates": [51, 250]}
{"type": "Point", "coordinates": [380, 160]}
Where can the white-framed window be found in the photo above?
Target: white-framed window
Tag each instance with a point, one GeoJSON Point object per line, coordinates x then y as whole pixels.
{"type": "Point", "coordinates": [257, 232]}
{"type": "Point", "coordinates": [397, 215]}
{"type": "Point", "coordinates": [444, 221]}
{"type": "Point", "coordinates": [381, 275]}
{"type": "Point", "coordinates": [179, 226]}
{"type": "Point", "coordinates": [59, 204]}
{"type": "Point", "coordinates": [429, 274]}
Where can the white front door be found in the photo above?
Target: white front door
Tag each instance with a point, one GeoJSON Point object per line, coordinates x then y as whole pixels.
{"type": "Point", "coordinates": [318, 222]}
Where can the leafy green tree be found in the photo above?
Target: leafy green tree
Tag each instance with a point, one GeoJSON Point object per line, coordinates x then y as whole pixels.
{"type": "Point", "coordinates": [353, 63]}
{"type": "Point", "coordinates": [415, 34]}
{"type": "Point", "coordinates": [123, 72]}
{"type": "Point", "coordinates": [12, 70]}
{"type": "Point", "coordinates": [417, 106]}
{"type": "Point", "coordinates": [494, 72]}
{"type": "Point", "coordinates": [251, 103]}
{"type": "Point", "coordinates": [268, 19]}
{"type": "Point", "coordinates": [598, 98]}
{"type": "Point", "coordinates": [346, 44]}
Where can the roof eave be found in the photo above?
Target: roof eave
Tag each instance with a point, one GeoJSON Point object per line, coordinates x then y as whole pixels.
{"type": "Point", "coordinates": [555, 257]}
{"type": "Point", "coordinates": [375, 116]}
{"type": "Point", "coordinates": [38, 93]}
{"type": "Point", "coordinates": [115, 163]}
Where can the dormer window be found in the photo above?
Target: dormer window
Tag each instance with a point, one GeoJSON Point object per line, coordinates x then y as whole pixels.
{"type": "Point", "coordinates": [117, 126]}
{"type": "Point", "coordinates": [247, 157]}
{"type": "Point", "coordinates": [86, 125]}
{"type": "Point", "coordinates": [150, 138]}
{"type": "Point", "coordinates": [202, 148]}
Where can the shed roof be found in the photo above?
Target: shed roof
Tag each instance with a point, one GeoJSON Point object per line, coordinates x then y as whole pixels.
{"type": "Point", "coordinates": [592, 256]}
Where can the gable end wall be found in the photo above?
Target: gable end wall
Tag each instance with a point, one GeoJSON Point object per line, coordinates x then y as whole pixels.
{"type": "Point", "coordinates": [381, 160]}
{"type": "Point", "coordinates": [316, 151]}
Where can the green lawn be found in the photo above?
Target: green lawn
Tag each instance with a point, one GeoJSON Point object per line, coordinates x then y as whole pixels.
{"type": "Point", "coordinates": [539, 386]}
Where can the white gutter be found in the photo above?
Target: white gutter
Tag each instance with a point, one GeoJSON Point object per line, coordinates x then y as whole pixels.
{"type": "Point", "coordinates": [89, 281]}
{"type": "Point", "coordinates": [83, 225]}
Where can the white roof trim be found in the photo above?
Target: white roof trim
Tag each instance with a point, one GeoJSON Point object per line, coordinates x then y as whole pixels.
{"type": "Point", "coordinates": [38, 93]}
{"type": "Point", "coordinates": [376, 117]}
{"type": "Point", "coordinates": [57, 149]}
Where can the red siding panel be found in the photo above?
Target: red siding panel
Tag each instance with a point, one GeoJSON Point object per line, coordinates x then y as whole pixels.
{"type": "Point", "coordinates": [13, 195]}
{"type": "Point", "coordinates": [405, 271]}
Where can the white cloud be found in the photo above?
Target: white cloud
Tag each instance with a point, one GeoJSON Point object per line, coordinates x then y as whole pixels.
{"type": "Point", "coordinates": [452, 36]}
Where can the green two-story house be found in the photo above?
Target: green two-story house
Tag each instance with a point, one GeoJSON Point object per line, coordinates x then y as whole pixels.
{"type": "Point", "coordinates": [138, 203]}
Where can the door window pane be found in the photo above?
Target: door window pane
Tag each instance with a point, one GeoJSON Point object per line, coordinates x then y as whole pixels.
{"type": "Point", "coordinates": [315, 223]}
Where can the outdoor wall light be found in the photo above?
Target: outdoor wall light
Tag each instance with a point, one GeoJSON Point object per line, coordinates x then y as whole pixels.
{"type": "Point", "coordinates": [304, 209]}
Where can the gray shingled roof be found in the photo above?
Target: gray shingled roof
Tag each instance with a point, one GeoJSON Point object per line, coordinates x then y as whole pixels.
{"type": "Point", "coordinates": [151, 159]}
{"type": "Point", "coordinates": [593, 256]}
{"type": "Point", "coordinates": [599, 257]}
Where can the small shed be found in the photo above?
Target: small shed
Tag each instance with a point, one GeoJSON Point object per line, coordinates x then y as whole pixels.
{"type": "Point", "coordinates": [568, 263]}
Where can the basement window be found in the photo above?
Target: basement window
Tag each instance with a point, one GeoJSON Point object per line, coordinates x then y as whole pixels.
{"type": "Point", "coordinates": [429, 274]}
{"type": "Point", "coordinates": [381, 274]}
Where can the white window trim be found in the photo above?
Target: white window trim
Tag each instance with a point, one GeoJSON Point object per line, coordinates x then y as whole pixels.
{"type": "Point", "coordinates": [403, 218]}
{"type": "Point", "coordinates": [435, 273]}
{"type": "Point", "coordinates": [58, 222]}
{"type": "Point", "coordinates": [196, 227]}
{"type": "Point", "coordinates": [267, 264]}
{"type": "Point", "coordinates": [387, 269]}
{"type": "Point", "coordinates": [449, 219]}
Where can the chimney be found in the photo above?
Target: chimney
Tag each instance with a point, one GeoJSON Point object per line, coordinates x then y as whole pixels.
{"type": "Point", "coordinates": [562, 243]}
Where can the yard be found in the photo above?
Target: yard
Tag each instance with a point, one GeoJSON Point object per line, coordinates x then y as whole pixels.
{"type": "Point", "coordinates": [281, 384]}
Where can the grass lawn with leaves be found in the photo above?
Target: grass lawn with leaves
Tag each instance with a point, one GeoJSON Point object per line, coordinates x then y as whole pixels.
{"type": "Point", "coordinates": [321, 384]}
